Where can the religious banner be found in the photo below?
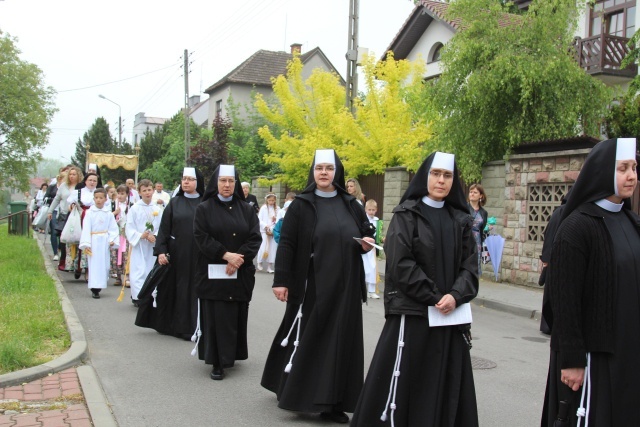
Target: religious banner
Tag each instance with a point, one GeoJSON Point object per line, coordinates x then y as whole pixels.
{"type": "Point", "coordinates": [114, 161]}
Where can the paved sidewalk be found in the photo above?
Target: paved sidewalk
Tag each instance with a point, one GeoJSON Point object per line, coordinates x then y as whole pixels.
{"type": "Point", "coordinates": [53, 401]}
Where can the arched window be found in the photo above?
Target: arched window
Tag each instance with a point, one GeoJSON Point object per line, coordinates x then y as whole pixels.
{"type": "Point", "coordinates": [435, 52]}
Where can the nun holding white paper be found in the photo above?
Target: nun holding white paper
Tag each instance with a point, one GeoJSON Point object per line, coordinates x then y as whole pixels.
{"type": "Point", "coordinates": [421, 373]}
{"type": "Point", "coordinates": [227, 235]}
{"type": "Point", "coordinates": [316, 361]}
{"type": "Point", "coordinates": [594, 287]}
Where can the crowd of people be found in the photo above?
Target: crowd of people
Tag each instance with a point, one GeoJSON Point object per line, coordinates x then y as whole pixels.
{"type": "Point", "coordinates": [192, 259]}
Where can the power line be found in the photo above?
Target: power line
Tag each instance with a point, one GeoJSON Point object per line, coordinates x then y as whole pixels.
{"type": "Point", "coordinates": [116, 81]}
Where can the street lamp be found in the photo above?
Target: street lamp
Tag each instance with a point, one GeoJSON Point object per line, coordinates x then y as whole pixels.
{"type": "Point", "coordinates": [119, 118]}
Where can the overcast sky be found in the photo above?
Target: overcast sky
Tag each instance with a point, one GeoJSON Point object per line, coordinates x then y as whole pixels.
{"type": "Point", "coordinates": [87, 48]}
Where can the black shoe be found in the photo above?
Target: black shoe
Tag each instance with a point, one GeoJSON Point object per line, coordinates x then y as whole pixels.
{"type": "Point", "coordinates": [335, 416]}
{"type": "Point", "coordinates": [77, 274]}
{"type": "Point", "coordinates": [135, 302]}
{"type": "Point", "coordinates": [217, 374]}
{"type": "Point", "coordinates": [95, 294]}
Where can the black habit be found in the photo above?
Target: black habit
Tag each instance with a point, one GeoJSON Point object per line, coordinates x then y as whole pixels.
{"type": "Point", "coordinates": [594, 288]}
{"type": "Point", "coordinates": [430, 252]}
{"type": "Point", "coordinates": [220, 227]}
{"type": "Point", "coordinates": [321, 265]}
{"type": "Point", "coordinates": [175, 237]}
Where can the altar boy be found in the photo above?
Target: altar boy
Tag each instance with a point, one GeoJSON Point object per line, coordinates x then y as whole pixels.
{"type": "Point", "coordinates": [99, 235]}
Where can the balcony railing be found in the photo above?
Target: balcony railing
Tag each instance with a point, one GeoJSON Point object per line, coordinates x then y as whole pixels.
{"type": "Point", "coordinates": [603, 54]}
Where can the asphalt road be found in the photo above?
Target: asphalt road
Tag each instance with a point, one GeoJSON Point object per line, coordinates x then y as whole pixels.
{"type": "Point", "coordinates": [152, 380]}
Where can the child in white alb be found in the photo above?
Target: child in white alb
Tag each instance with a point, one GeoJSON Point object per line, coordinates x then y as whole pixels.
{"type": "Point", "coordinates": [143, 222]}
{"type": "Point", "coordinates": [369, 259]}
{"type": "Point", "coordinates": [99, 235]}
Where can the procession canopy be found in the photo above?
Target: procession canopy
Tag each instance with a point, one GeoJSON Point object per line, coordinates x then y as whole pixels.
{"type": "Point", "coordinates": [114, 161]}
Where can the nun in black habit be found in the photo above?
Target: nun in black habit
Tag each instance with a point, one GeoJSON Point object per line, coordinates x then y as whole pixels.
{"type": "Point", "coordinates": [316, 361]}
{"type": "Point", "coordinates": [594, 287]}
{"type": "Point", "coordinates": [176, 245]}
{"type": "Point", "coordinates": [227, 233]}
{"type": "Point", "coordinates": [420, 374]}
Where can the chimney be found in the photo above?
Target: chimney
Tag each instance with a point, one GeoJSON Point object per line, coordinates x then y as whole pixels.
{"type": "Point", "coordinates": [296, 48]}
{"type": "Point", "coordinates": [193, 100]}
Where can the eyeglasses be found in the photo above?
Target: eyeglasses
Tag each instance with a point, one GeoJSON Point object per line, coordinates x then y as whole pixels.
{"type": "Point", "coordinates": [324, 168]}
{"type": "Point", "coordinates": [226, 180]}
{"type": "Point", "coordinates": [438, 174]}
{"type": "Point", "coordinates": [188, 178]}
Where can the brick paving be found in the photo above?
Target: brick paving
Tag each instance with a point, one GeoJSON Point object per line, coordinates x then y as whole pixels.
{"type": "Point", "coordinates": [52, 401]}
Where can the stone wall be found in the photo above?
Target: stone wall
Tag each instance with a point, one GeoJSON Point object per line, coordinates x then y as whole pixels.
{"type": "Point", "coordinates": [520, 259]}
{"type": "Point", "coordinates": [396, 182]}
{"type": "Point", "coordinates": [493, 174]}
{"type": "Point", "coordinates": [261, 190]}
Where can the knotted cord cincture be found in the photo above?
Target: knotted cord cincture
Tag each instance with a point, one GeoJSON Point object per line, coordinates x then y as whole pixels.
{"type": "Point", "coordinates": [197, 334]}
{"type": "Point", "coordinates": [586, 389]}
{"type": "Point", "coordinates": [297, 321]}
{"type": "Point", "coordinates": [391, 399]}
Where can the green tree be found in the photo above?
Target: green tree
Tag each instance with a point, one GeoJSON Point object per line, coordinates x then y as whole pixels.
{"type": "Point", "coordinates": [26, 109]}
{"type": "Point", "coordinates": [168, 169]}
{"type": "Point", "coordinates": [151, 148]}
{"type": "Point", "coordinates": [511, 78]}
{"type": "Point", "coordinates": [100, 140]}
{"type": "Point", "coordinates": [623, 117]}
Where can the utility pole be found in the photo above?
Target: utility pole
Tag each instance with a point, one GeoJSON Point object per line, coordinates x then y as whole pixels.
{"type": "Point", "coordinates": [187, 134]}
{"type": "Point", "coordinates": [352, 55]}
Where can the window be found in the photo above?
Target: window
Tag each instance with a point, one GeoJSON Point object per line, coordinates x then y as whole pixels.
{"type": "Point", "coordinates": [219, 108]}
{"type": "Point", "coordinates": [436, 50]}
{"type": "Point", "coordinates": [616, 17]}
{"type": "Point", "coordinates": [542, 200]}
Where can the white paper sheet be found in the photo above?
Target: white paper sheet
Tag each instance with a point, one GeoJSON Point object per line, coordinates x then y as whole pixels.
{"type": "Point", "coordinates": [359, 240]}
{"type": "Point", "coordinates": [460, 316]}
{"type": "Point", "coordinates": [219, 271]}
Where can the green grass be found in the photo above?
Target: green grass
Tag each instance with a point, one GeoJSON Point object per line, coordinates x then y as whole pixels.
{"type": "Point", "coordinates": [32, 326]}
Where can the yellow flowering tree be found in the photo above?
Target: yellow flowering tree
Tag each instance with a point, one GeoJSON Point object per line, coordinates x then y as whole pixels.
{"type": "Point", "coordinates": [311, 114]}
{"type": "Point", "coordinates": [388, 132]}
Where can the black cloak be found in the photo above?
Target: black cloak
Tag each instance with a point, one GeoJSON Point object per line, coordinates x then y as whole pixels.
{"type": "Point", "coordinates": [430, 252]}
{"type": "Point", "coordinates": [177, 305]}
{"type": "Point", "coordinates": [321, 266]}
{"type": "Point", "coordinates": [221, 227]}
{"type": "Point", "coordinates": [160, 279]}
{"type": "Point", "coordinates": [594, 288]}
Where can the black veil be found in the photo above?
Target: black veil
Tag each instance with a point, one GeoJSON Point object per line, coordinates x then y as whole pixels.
{"type": "Point", "coordinates": [418, 187]}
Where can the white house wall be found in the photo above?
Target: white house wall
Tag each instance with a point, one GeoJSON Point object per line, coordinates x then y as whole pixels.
{"type": "Point", "coordinates": [437, 32]}
{"type": "Point", "coordinates": [241, 94]}
{"type": "Point", "coordinates": [312, 63]}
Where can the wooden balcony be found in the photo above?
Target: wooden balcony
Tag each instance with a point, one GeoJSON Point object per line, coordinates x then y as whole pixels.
{"type": "Point", "coordinates": [603, 54]}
